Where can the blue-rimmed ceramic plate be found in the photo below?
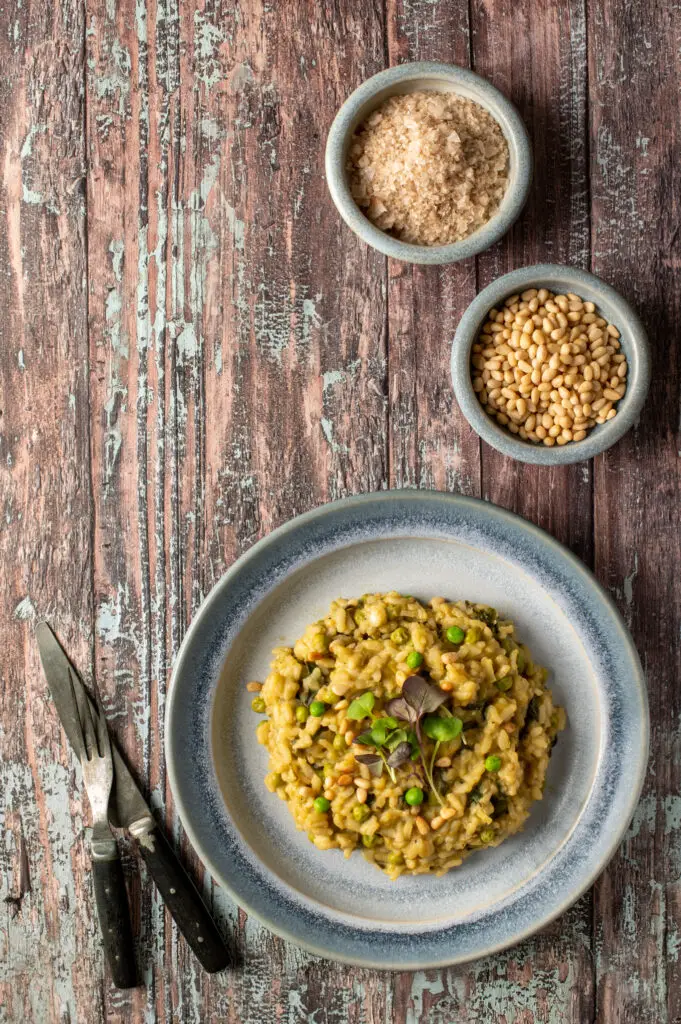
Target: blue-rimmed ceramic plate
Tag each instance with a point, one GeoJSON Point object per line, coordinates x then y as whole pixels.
{"type": "Point", "coordinates": [427, 544]}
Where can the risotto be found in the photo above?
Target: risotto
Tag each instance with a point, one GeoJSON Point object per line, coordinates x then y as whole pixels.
{"type": "Point", "coordinates": [414, 732]}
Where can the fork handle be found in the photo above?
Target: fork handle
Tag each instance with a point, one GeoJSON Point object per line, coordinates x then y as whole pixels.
{"type": "Point", "coordinates": [114, 919]}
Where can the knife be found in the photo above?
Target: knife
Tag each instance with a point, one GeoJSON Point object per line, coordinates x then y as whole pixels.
{"type": "Point", "coordinates": [129, 810]}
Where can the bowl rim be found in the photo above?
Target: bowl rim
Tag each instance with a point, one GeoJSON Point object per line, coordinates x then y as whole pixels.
{"type": "Point", "coordinates": [589, 287]}
{"type": "Point", "coordinates": [503, 111]}
{"type": "Point", "coordinates": [505, 524]}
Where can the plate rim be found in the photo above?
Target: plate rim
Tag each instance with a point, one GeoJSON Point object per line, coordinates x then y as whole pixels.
{"type": "Point", "coordinates": [608, 849]}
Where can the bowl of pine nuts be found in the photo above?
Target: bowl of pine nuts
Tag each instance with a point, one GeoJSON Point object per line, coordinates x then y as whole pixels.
{"type": "Point", "coordinates": [550, 365]}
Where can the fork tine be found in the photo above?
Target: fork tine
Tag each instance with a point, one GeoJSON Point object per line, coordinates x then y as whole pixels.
{"type": "Point", "coordinates": [87, 725]}
{"type": "Point", "coordinates": [102, 730]}
{"type": "Point", "coordinates": [79, 721]}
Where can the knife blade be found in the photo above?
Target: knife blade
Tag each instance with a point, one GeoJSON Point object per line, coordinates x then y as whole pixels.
{"type": "Point", "coordinates": [128, 809]}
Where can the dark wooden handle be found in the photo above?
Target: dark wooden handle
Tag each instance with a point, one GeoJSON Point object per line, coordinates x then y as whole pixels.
{"type": "Point", "coordinates": [114, 919]}
{"type": "Point", "coordinates": [183, 902]}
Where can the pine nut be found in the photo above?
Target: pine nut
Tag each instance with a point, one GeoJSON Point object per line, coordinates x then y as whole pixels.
{"type": "Point", "coordinates": [422, 825]}
{"type": "Point", "coordinates": [344, 780]}
{"type": "Point", "coordinates": [361, 795]}
{"type": "Point", "coordinates": [362, 783]}
{"type": "Point", "coordinates": [443, 762]}
{"type": "Point", "coordinates": [548, 367]}
{"type": "Point", "coordinates": [254, 687]}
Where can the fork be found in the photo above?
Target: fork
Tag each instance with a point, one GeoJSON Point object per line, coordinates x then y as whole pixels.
{"type": "Point", "coordinates": [110, 893]}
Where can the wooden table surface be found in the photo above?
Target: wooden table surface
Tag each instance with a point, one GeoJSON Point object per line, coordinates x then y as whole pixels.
{"type": "Point", "coordinates": [195, 349]}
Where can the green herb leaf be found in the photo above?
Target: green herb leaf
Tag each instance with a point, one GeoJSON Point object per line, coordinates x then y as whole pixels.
{"type": "Point", "coordinates": [361, 707]}
{"type": "Point", "coordinates": [395, 738]}
{"type": "Point", "coordinates": [486, 614]}
{"type": "Point", "coordinates": [442, 729]}
{"type": "Point", "coordinates": [366, 740]}
{"type": "Point", "coordinates": [381, 728]}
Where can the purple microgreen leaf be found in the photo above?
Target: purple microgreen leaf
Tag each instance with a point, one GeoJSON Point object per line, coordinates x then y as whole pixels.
{"type": "Point", "coordinates": [421, 696]}
{"type": "Point", "coordinates": [374, 762]}
{"type": "Point", "coordinates": [399, 708]}
{"type": "Point", "coordinates": [400, 754]}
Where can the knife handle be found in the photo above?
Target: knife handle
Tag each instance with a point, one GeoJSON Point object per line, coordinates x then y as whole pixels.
{"type": "Point", "coordinates": [183, 901]}
{"type": "Point", "coordinates": [114, 920]}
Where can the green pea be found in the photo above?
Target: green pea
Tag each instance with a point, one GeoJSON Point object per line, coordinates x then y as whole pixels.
{"type": "Point", "coordinates": [493, 763]}
{"type": "Point", "coordinates": [414, 796]}
{"type": "Point", "coordinates": [327, 769]}
{"type": "Point", "coordinates": [487, 835]}
{"type": "Point", "coordinates": [394, 858]}
{"type": "Point", "coordinates": [508, 644]}
{"type": "Point", "coordinates": [321, 804]}
{"type": "Point", "coordinates": [317, 708]}
{"type": "Point", "coordinates": [505, 683]}
{"type": "Point", "coordinates": [302, 714]}
{"type": "Point", "coordinates": [258, 704]}
{"type": "Point", "coordinates": [414, 659]}
{"type": "Point", "coordinates": [360, 813]}
{"type": "Point", "coordinates": [339, 742]}
{"type": "Point", "coordinates": [455, 635]}
{"type": "Point", "coordinates": [370, 841]}
{"type": "Point", "coordinates": [472, 635]}
{"type": "Point", "coordinates": [399, 635]}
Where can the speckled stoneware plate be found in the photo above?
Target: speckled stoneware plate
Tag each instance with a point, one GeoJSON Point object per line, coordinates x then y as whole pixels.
{"type": "Point", "coordinates": [427, 544]}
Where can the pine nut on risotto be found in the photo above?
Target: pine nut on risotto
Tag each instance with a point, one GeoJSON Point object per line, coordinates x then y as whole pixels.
{"type": "Point", "coordinates": [417, 733]}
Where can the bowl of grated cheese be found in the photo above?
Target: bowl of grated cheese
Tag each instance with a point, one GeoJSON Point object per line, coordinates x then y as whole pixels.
{"type": "Point", "coordinates": [428, 163]}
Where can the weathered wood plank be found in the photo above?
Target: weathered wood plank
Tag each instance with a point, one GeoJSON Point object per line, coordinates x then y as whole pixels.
{"type": "Point", "coordinates": [541, 66]}
{"type": "Point", "coordinates": [634, 83]}
{"type": "Point", "coordinates": [47, 958]}
{"type": "Point", "coordinates": [431, 444]}
{"type": "Point", "coordinates": [539, 61]}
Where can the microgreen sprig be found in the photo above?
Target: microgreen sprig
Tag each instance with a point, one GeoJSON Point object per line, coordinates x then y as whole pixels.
{"type": "Point", "coordinates": [419, 699]}
{"type": "Point", "coordinates": [391, 746]}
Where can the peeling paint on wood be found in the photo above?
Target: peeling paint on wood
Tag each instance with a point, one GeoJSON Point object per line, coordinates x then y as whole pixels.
{"type": "Point", "coordinates": [197, 350]}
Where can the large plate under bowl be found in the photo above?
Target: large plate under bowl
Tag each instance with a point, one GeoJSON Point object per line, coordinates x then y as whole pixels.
{"type": "Point", "coordinates": [427, 544]}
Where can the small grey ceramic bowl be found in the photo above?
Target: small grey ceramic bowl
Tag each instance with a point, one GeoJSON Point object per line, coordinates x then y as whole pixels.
{"type": "Point", "coordinates": [557, 278]}
{"type": "Point", "coordinates": [439, 78]}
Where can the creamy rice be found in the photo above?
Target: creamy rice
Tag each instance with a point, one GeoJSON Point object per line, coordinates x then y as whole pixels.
{"type": "Point", "coordinates": [486, 778]}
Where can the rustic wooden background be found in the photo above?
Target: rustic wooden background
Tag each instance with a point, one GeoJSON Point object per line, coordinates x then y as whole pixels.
{"type": "Point", "coordinates": [195, 349]}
